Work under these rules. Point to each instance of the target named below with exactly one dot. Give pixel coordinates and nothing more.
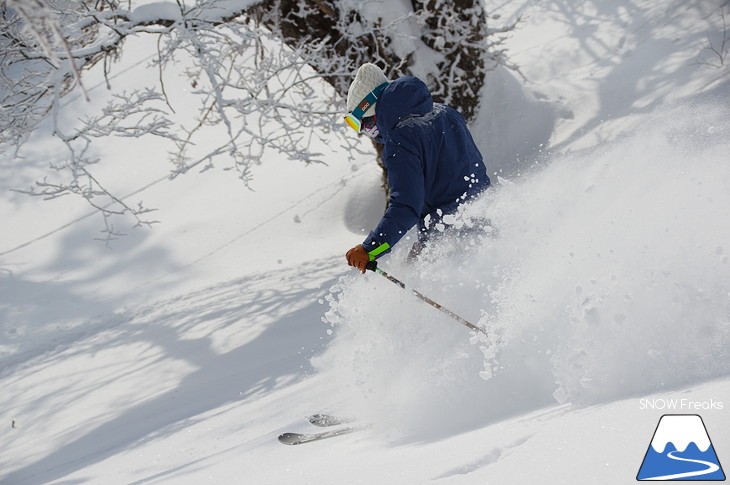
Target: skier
(432, 162)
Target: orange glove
(358, 258)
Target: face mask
(370, 128)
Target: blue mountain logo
(681, 450)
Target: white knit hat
(368, 77)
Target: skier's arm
(405, 176)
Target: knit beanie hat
(368, 77)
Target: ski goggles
(355, 119)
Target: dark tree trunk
(455, 31)
(460, 33)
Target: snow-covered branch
(258, 69)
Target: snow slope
(180, 353)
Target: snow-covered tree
(257, 69)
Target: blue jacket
(432, 161)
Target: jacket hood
(403, 98)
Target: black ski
(322, 421)
(300, 438)
(325, 420)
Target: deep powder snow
(607, 276)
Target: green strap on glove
(378, 251)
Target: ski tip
(289, 438)
(299, 438)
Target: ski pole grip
(372, 265)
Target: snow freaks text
(683, 404)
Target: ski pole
(373, 266)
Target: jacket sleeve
(406, 180)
